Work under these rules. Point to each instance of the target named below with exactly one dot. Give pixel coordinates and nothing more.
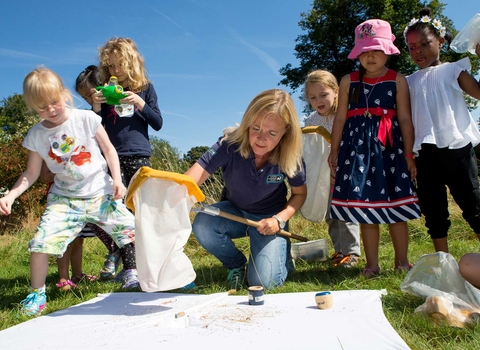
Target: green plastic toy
(112, 92)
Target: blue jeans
(269, 255)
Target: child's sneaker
(34, 303)
(120, 276)
(110, 265)
(131, 279)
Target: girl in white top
(445, 132)
(71, 143)
(321, 90)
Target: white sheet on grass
(216, 321)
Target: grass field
(418, 331)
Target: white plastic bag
(468, 37)
(162, 228)
(436, 277)
(315, 153)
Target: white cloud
(19, 54)
(175, 23)
(262, 55)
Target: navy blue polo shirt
(260, 191)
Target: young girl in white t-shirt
(445, 132)
(76, 148)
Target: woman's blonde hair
(324, 78)
(288, 153)
(43, 86)
(132, 63)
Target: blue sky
(207, 59)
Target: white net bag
(162, 202)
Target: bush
(31, 203)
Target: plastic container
(468, 37)
(310, 251)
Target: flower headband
(426, 19)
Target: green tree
(15, 121)
(329, 36)
(165, 157)
(194, 154)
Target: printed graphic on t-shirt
(63, 150)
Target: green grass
(418, 331)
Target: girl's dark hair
(88, 78)
(427, 26)
(356, 90)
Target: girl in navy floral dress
(371, 150)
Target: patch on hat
(366, 31)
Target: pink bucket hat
(374, 34)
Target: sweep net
(162, 201)
(316, 149)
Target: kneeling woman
(256, 158)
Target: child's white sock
(41, 289)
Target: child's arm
(25, 180)
(46, 176)
(339, 122)
(148, 107)
(404, 116)
(111, 156)
(468, 83)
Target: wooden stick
(256, 224)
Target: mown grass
(418, 331)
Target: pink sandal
(370, 273)
(66, 285)
(84, 277)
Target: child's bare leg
(76, 257)
(399, 234)
(441, 244)
(38, 269)
(63, 264)
(468, 266)
(370, 238)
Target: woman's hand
(268, 226)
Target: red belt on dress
(385, 127)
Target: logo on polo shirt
(275, 178)
(212, 151)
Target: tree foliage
(165, 157)
(15, 121)
(329, 36)
(194, 154)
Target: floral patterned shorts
(65, 217)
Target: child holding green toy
(127, 124)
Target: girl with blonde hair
(321, 91)
(76, 148)
(127, 123)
